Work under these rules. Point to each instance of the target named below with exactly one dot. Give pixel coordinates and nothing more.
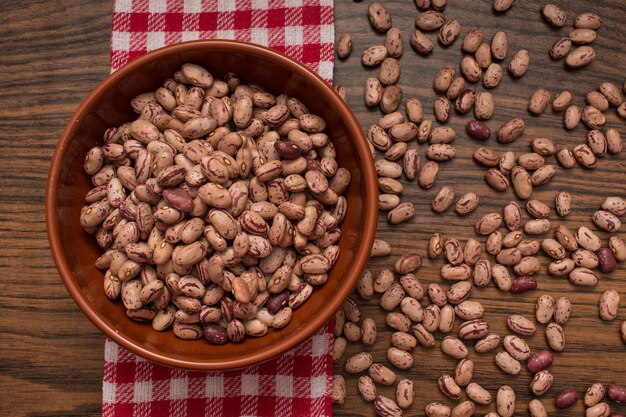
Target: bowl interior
(75, 251)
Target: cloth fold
(297, 383)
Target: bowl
(74, 251)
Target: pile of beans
(218, 208)
(507, 248)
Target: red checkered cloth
(297, 383)
(302, 29)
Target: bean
(555, 337)
(614, 139)
(584, 258)
(344, 45)
(499, 45)
(449, 32)
(379, 17)
(609, 305)
(437, 410)
(615, 205)
(562, 310)
(488, 223)
(473, 329)
(338, 393)
(606, 221)
(587, 20)
(423, 336)
(566, 398)
(516, 347)
(554, 15)
(583, 277)
(502, 5)
(560, 48)
(404, 393)
(380, 248)
(592, 118)
(612, 93)
(367, 388)
(595, 98)
(466, 204)
(521, 181)
(521, 325)
(483, 55)
(339, 347)
(505, 401)
(448, 387)
(432, 317)
(618, 247)
(465, 101)
(540, 361)
(563, 203)
(381, 374)
(580, 57)
(519, 63)
(507, 363)
(402, 213)
(469, 310)
(421, 43)
(428, 175)
(473, 38)
(598, 410)
(544, 309)
(463, 409)
(470, 69)
(594, 395)
(430, 20)
(606, 260)
(412, 286)
(487, 343)
(536, 409)
(358, 362)
(541, 383)
(571, 118)
(386, 407)
(463, 374)
(501, 277)
(496, 179)
(399, 358)
(403, 341)
(478, 394)
(617, 393)
(393, 42)
(539, 101)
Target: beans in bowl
(218, 208)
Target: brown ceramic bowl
(107, 105)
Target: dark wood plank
(594, 350)
(51, 357)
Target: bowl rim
(309, 327)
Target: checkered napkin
(297, 383)
(302, 29)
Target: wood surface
(54, 53)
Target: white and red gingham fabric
(297, 383)
(302, 29)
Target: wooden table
(54, 53)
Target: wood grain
(594, 350)
(51, 357)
